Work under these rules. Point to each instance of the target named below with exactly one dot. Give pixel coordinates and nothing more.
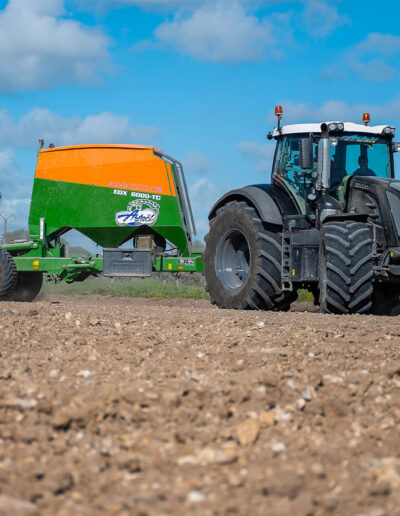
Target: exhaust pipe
(327, 206)
(324, 160)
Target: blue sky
(197, 78)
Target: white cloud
(322, 18)
(374, 58)
(13, 184)
(195, 163)
(368, 56)
(203, 195)
(39, 48)
(262, 153)
(202, 192)
(373, 70)
(101, 128)
(385, 44)
(219, 31)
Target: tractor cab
(355, 150)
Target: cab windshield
(351, 154)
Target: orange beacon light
(366, 118)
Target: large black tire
(345, 268)
(8, 273)
(27, 288)
(243, 261)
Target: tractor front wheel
(243, 261)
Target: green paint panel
(92, 210)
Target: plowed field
(150, 407)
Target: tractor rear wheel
(8, 273)
(27, 288)
(345, 268)
(243, 261)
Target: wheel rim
(233, 259)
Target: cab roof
(349, 127)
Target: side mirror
(396, 147)
(306, 154)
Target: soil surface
(151, 407)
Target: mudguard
(270, 202)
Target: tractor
(329, 222)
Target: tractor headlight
(388, 131)
(335, 126)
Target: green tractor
(329, 222)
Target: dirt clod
(247, 432)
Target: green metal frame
(33, 256)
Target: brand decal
(116, 191)
(139, 212)
(359, 139)
(363, 186)
(135, 186)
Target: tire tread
(347, 268)
(9, 273)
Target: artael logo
(139, 212)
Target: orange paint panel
(124, 167)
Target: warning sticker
(186, 261)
